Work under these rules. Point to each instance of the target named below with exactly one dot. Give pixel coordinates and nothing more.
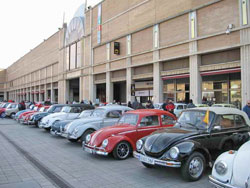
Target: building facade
(144, 49)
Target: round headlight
(88, 138)
(221, 167)
(105, 143)
(139, 145)
(174, 152)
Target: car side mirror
(217, 128)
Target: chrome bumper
(220, 184)
(157, 161)
(55, 133)
(94, 150)
(65, 135)
(31, 122)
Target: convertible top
(224, 111)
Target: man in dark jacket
(191, 104)
(247, 109)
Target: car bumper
(220, 184)
(64, 134)
(55, 133)
(31, 122)
(72, 137)
(94, 150)
(154, 162)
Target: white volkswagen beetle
(232, 169)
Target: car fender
(82, 128)
(186, 148)
(114, 140)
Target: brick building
(148, 49)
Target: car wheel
(193, 167)
(12, 115)
(122, 150)
(84, 135)
(147, 165)
(47, 128)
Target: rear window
(128, 119)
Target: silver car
(101, 117)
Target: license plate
(88, 150)
(146, 160)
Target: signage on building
(99, 23)
(132, 89)
(144, 93)
(117, 48)
(147, 84)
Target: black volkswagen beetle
(198, 137)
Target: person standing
(135, 104)
(247, 109)
(191, 104)
(170, 107)
(129, 104)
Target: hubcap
(123, 150)
(196, 167)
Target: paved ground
(71, 166)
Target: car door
(111, 118)
(147, 125)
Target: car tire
(12, 115)
(83, 137)
(189, 169)
(147, 165)
(47, 128)
(122, 150)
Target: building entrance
(119, 92)
(100, 93)
(74, 90)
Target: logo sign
(117, 48)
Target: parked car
(12, 109)
(56, 128)
(198, 137)
(120, 139)
(68, 112)
(101, 117)
(232, 169)
(158, 106)
(37, 117)
(201, 105)
(179, 107)
(22, 116)
(22, 111)
(224, 105)
(28, 117)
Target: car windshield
(41, 109)
(85, 113)
(195, 119)
(128, 119)
(98, 113)
(5, 105)
(13, 106)
(8, 106)
(66, 109)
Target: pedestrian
(135, 104)
(149, 105)
(247, 109)
(90, 102)
(170, 107)
(129, 104)
(191, 104)
(165, 104)
(67, 102)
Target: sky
(25, 24)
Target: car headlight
(105, 143)
(75, 131)
(139, 145)
(174, 152)
(221, 167)
(88, 138)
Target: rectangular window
(192, 25)
(156, 31)
(128, 44)
(67, 58)
(79, 54)
(149, 121)
(72, 56)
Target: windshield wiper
(192, 125)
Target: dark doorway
(120, 92)
(74, 90)
(101, 92)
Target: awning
(177, 76)
(224, 71)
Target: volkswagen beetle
(101, 117)
(232, 169)
(198, 137)
(121, 138)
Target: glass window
(85, 113)
(149, 121)
(98, 113)
(130, 119)
(167, 120)
(239, 121)
(73, 56)
(114, 114)
(225, 121)
(179, 107)
(76, 109)
(66, 109)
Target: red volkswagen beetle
(120, 140)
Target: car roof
(224, 111)
(114, 107)
(179, 103)
(148, 111)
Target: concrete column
(157, 81)
(109, 88)
(245, 65)
(45, 92)
(195, 79)
(52, 93)
(81, 88)
(92, 88)
(30, 94)
(129, 82)
(40, 95)
(66, 90)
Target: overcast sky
(26, 23)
